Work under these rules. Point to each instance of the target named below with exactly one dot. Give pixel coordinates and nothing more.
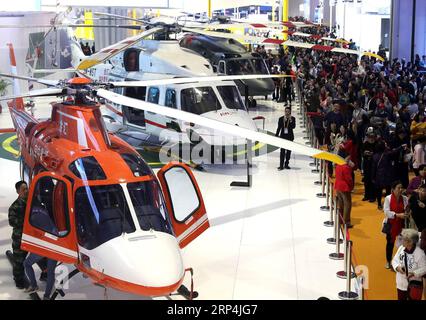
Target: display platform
(265, 242)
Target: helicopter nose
(141, 259)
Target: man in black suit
(286, 124)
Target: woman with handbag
(394, 208)
(409, 263)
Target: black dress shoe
(372, 200)
(287, 167)
(20, 285)
(280, 168)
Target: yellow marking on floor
(7, 145)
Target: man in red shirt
(343, 186)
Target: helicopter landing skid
(188, 295)
(34, 296)
(184, 292)
(59, 290)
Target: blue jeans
(29, 271)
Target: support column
(285, 15)
(408, 27)
(273, 11)
(209, 8)
(413, 31)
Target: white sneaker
(387, 265)
(31, 289)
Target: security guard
(16, 221)
(286, 124)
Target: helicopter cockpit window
(259, 66)
(199, 100)
(149, 206)
(231, 97)
(137, 165)
(87, 168)
(153, 95)
(170, 98)
(132, 115)
(131, 59)
(102, 214)
(239, 66)
(49, 207)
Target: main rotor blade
(46, 82)
(53, 70)
(126, 26)
(37, 93)
(117, 16)
(160, 82)
(238, 37)
(109, 52)
(319, 47)
(289, 24)
(218, 125)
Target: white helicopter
(138, 59)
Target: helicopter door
(221, 67)
(184, 202)
(48, 227)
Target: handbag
(387, 227)
(415, 290)
(415, 287)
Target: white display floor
(265, 242)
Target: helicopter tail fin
(17, 103)
(77, 54)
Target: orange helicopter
(94, 202)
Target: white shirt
(358, 113)
(416, 263)
(419, 156)
(413, 109)
(377, 66)
(386, 207)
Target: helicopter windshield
(259, 66)
(239, 66)
(245, 66)
(231, 97)
(149, 206)
(199, 100)
(102, 214)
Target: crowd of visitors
(372, 113)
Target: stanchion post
(330, 222)
(343, 274)
(327, 179)
(322, 177)
(308, 129)
(348, 294)
(316, 170)
(314, 164)
(318, 182)
(336, 228)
